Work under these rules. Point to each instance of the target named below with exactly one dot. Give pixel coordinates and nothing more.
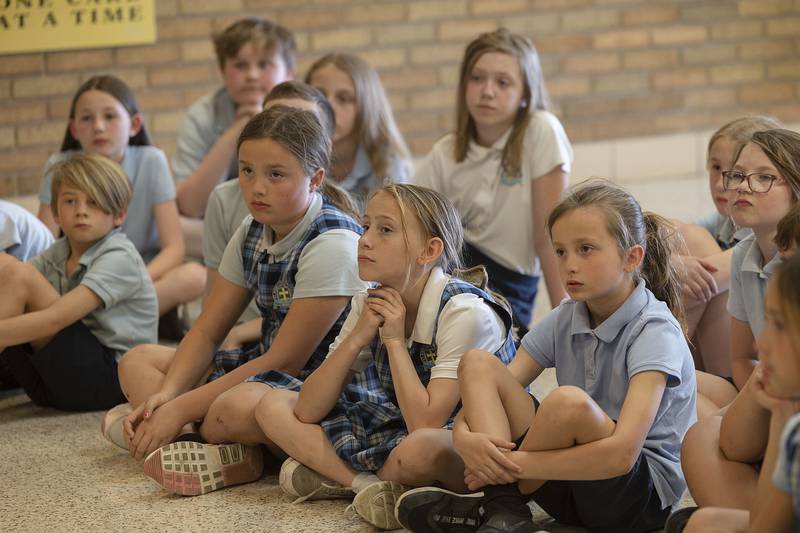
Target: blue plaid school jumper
(364, 429)
(272, 285)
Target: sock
(508, 497)
(363, 479)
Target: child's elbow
(624, 460)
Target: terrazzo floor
(57, 473)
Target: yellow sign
(40, 25)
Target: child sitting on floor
(69, 315)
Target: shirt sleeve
(465, 323)
(548, 146)
(540, 341)
(191, 145)
(45, 196)
(658, 346)
(115, 275)
(328, 266)
(427, 172)
(231, 267)
(736, 306)
(214, 241)
(356, 306)
(155, 167)
(710, 223)
(787, 455)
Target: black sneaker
(511, 520)
(435, 510)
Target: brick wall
(615, 68)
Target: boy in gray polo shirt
(69, 314)
(254, 55)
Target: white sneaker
(375, 503)
(111, 426)
(297, 480)
(194, 468)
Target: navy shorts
(624, 504)
(72, 372)
(518, 289)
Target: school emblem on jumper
(428, 357)
(281, 295)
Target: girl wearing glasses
(721, 454)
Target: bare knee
(134, 362)
(571, 403)
(475, 361)
(275, 410)
(231, 412)
(420, 455)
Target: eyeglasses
(758, 182)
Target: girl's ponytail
(661, 241)
(340, 198)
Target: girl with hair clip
(296, 255)
(368, 148)
(505, 167)
(775, 387)
(602, 450)
(705, 265)
(721, 453)
(377, 412)
(104, 119)
(226, 208)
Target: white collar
(428, 310)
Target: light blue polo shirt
(641, 335)
(22, 234)
(362, 178)
(749, 278)
(115, 272)
(205, 122)
(723, 230)
(787, 468)
(148, 173)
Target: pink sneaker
(194, 468)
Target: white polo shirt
(466, 322)
(496, 209)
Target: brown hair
(629, 226)
(375, 124)
(534, 93)
(782, 147)
(263, 33)
(100, 178)
(301, 133)
(121, 92)
(303, 91)
(741, 129)
(788, 234)
(787, 281)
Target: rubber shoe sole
(194, 468)
(112, 424)
(375, 503)
(303, 483)
(435, 510)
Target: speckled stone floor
(57, 473)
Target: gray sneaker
(297, 480)
(375, 503)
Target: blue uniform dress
(272, 284)
(366, 424)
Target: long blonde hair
(741, 129)
(534, 96)
(377, 131)
(630, 226)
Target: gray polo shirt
(723, 230)
(206, 120)
(641, 335)
(114, 271)
(224, 214)
(362, 178)
(22, 234)
(151, 181)
(749, 278)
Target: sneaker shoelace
(322, 489)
